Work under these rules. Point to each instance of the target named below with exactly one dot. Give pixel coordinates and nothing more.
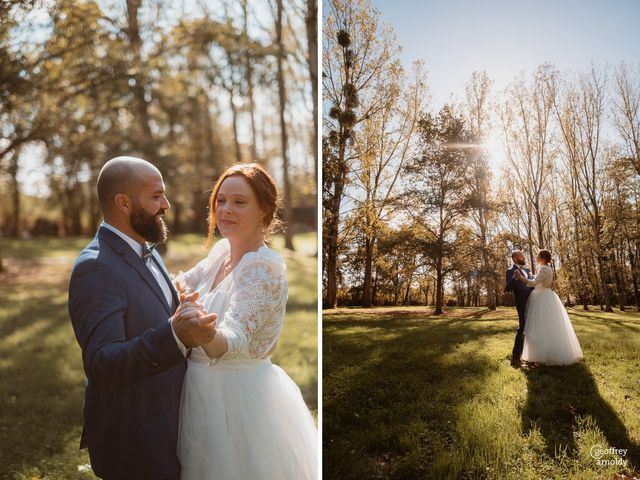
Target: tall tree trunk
(406, 294)
(141, 108)
(287, 217)
(488, 271)
(618, 275)
(396, 289)
(374, 290)
(439, 286)
(368, 263)
(234, 123)
(331, 224)
(579, 259)
(311, 21)
(606, 297)
(532, 258)
(73, 211)
(12, 170)
(539, 225)
(249, 78)
(583, 295)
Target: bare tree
(627, 110)
(526, 117)
(481, 205)
(357, 54)
(311, 22)
(437, 189)
(581, 119)
(145, 140)
(382, 149)
(280, 59)
(248, 65)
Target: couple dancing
(179, 378)
(545, 335)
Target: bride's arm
(542, 274)
(217, 347)
(256, 296)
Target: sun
(494, 147)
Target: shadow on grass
(558, 397)
(392, 389)
(623, 324)
(41, 396)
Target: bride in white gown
(241, 417)
(549, 338)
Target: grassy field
(410, 395)
(41, 377)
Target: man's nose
(165, 202)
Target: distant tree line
(415, 214)
(190, 86)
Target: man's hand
(192, 324)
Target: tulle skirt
(549, 337)
(244, 420)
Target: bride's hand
(191, 322)
(189, 306)
(180, 287)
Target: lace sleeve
(543, 276)
(253, 321)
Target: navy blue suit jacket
(133, 365)
(520, 291)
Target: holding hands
(191, 322)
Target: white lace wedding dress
(549, 337)
(241, 417)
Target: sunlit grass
(411, 395)
(41, 376)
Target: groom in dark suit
(520, 294)
(132, 329)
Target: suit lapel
(174, 293)
(136, 262)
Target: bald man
(134, 333)
(521, 294)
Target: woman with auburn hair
(241, 417)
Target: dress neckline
(230, 274)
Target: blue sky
(456, 37)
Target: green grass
(411, 395)
(41, 377)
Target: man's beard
(522, 262)
(150, 227)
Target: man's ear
(123, 203)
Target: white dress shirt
(155, 270)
